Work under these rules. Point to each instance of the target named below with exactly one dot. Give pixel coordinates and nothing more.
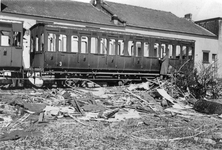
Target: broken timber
(138, 97)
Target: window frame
(77, 42)
(62, 46)
(103, 48)
(94, 47)
(146, 52)
(120, 47)
(9, 38)
(112, 42)
(56, 41)
(208, 55)
(17, 39)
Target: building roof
(57, 9)
(154, 19)
(210, 19)
(86, 13)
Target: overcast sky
(200, 9)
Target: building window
(214, 58)
(206, 56)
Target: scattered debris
(92, 102)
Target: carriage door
(138, 54)
(62, 55)
(51, 51)
(84, 51)
(5, 48)
(17, 39)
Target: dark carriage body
(11, 50)
(96, 53)
(11, 33)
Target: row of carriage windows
(110, 46)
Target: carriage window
(16, 39)
(103, 46)
(120, 50)
(42, 42)
(178, 51)
(94, 45)
(184, 52)
(138, 49)
(84, 44)
(131, 48)
(62, 43)
(163, 50)
(190, 53)
(112, 47)
(5, 38)
(51, 42)
(31, 44)
(156, 50)
(170, 51)
(36, 43)
(146, 49)
(74, 43)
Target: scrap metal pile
(22, 108)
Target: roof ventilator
(115, 19)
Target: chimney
(188, 17)
(97, 3)
(114, 19)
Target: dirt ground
(149, 132)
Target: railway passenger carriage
(96, 54)
(11, 42)
(59, 52)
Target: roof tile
(154, 19)
(86, 12)
(63, 9)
